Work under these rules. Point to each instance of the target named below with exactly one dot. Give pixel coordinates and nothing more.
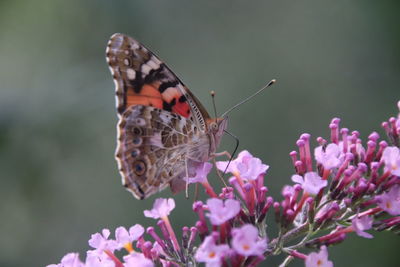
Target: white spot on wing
(154, 63)
(146, 69)
(131, 74)
(135, 46)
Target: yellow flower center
(128, 247)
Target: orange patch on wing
(182, 108)
(148, 96)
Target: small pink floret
(201, 173)
(69, 260)
(312, 183)
(124, 237)
(390, 201)
(136, 259)
(210, 253)
(330, 157)
(161, 208)
(247, 166)
(391, 158)
(360, 225)
(96, 258)
(101, 242)
(221, 211)
(319, 259)
(246, 241)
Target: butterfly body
(164, 132)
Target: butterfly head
(216, 128)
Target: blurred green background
(59, 179)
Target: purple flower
(390, 201)
(221, 211)
(246, 241)
(245, 165)
(210, 253)
(161, 208)
(100, 241)
(136, 259)
(391, 158)
(69, 260)
(360, 224)
(125, 238)
(312, 182)
(330, 157)
(319, 259)
(201, 173)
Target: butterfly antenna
(234, 151)
(250, 97)
(215, 107)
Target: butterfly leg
(223, 153)
(219, 174)
(220, 154)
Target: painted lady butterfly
(164, 132)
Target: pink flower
(245, 165)
(97, 258)
(101, 242)
(201, 173)
(123, 237)
(391, 158)
(319, 259)
(329, 157)
(246, 241)
(210, 253)
(221, 211)
(69, 260)
(390, 201)
(312, 182)
(136, 259)
(360, 224)
(161, 208)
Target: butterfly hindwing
(153, 148)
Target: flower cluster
(345, 186)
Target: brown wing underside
(154, 149)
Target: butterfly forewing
(141, 78)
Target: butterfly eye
(139, 167)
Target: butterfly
(164, 133)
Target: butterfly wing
(154, 149)
(161, 124)
(141, 78)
